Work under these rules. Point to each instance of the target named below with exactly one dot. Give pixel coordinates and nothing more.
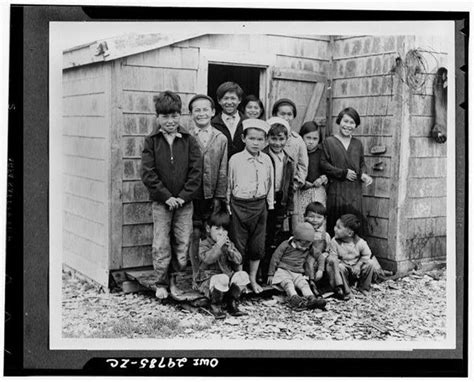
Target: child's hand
(180, 201)
(223, 238)
(324, 179)
(367, 179)
(269, 280)
(356, 271)
(307, 185)
(318, 276)
(172, 203)
(351, 175)
(318, 183)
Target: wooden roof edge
(110, 49)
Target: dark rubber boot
(232, 301)
(216, 304)
(313, 302)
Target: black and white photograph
(258, 186)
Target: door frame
(263, 61)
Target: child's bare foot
(255, 287)
(161, 293)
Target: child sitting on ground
(349, 258)
(219, 278)
(288, 261)
(315, 214)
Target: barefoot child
(287, 268)
(349, 257)
(249, 194)
(219, 277)
(171, 171)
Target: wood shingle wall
(85, 152)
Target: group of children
(227, 192)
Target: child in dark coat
(171, 171)
(219, 277)
(287, 268)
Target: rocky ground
(411, 308)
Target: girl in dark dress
(342, 160)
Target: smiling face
(202, 112)
(277, 142)
(341, 231)
(229, 103)
(169, 122)
(316, 220)
(252, 109)
(254, 140)
(346, 126)
(311, 140)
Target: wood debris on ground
(408, 308)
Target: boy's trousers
(171, 235)
(247, 227)
(340, 274)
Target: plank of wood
(314, 101)
(298, 75)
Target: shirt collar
(207, 130)
(177, 134)
(226, 116)
(280, 155)
(249, 156)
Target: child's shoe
(313, 302)
(340, 295)
(297, 303)
(233, 308)
(216, 304)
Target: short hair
(309, 127)
(219, 218)
(167, 102)
(277, 129)
(253, 128)
(229, 87)
(198, 97)
(253, 98)
(351, 221)
(316, 207)
(351, 112)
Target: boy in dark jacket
(229, 122)
(283, 166)
(171, 171)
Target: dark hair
(351, 112)
(254, 128)
(309, 127)
(282, 102)
(219, 218)
(252, 98)
(167, 102)
(200, 96)
(277, 129)
(229, 87)
(351, 221)
(315, 207)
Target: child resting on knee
(349, 258)
(288, 260)
(218, 276)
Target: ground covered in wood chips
(411, 308)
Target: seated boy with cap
(288, 260)
(250, 193)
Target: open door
(308, 90)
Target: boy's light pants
(340, 274)
(171, 234)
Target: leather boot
(216, 304)
(232, 301)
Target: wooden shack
(108, 89)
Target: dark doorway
(247, 77)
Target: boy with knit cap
(250, 193)
(287, 269)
